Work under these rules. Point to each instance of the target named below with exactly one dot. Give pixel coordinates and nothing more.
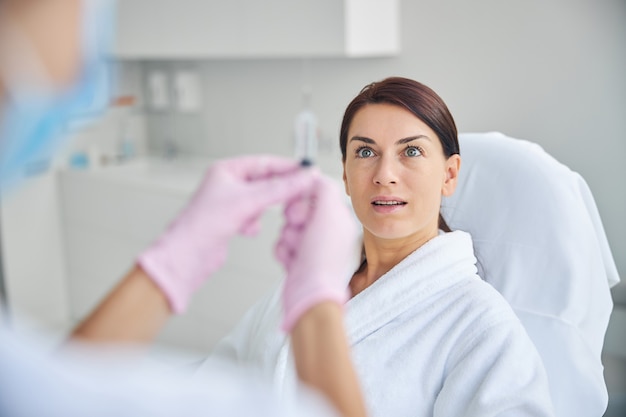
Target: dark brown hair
(417, 98)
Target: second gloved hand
(320, 248)
(229, 201)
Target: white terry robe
(429, 338)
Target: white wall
(549, 71)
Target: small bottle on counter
(126, 145)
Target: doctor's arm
(135, 311)
(320, 249)
(193, 247)
(322, 356)
(313, 297)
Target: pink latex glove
(320, 248)
(230, 200)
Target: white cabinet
(32, 254)
(180, 29)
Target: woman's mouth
(387, 205)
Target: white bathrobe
(429, 338)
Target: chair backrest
(540, 242)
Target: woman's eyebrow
(363, 139)
(411, 139)
(399, 142)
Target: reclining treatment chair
(539, 241)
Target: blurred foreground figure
(50, 68)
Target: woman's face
(395, 172)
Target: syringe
(305, 130)
(306, 137)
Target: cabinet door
(32, 251)
(181, 29)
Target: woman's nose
(385, 172)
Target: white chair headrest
(512, 195)
(539, 241)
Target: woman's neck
(382, 255)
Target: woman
(428, 336)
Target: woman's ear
(345, 179)
(453, 165)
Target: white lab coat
(82, 382)
(429, 338)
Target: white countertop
(179, 174)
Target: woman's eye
(412, 151)
(364, 152)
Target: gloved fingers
(283, 253)
(327, 191)
(298, 210)
(325, 204)
(252, 226)
(254, 167)
(279, 189)
(286, 247)
(290, 234)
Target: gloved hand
(230, 200)
(320, 247)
